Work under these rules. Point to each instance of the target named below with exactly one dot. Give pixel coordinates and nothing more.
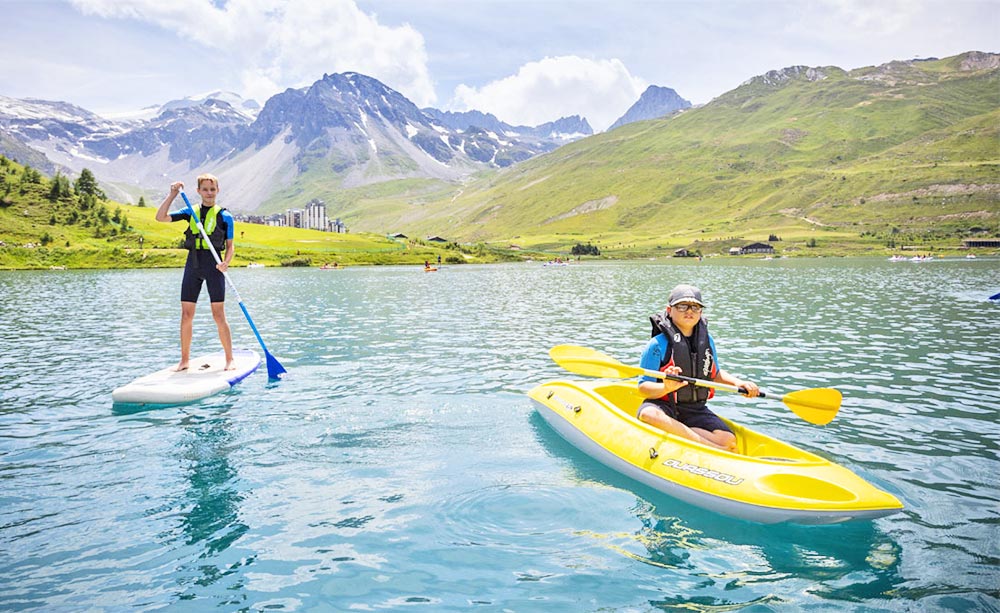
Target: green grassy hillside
(44, 223)
(822, 161)
(860, 161)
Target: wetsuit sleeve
(652, 357)
(230, 225)
(179, 216)
(711, 345)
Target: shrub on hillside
(588, 249)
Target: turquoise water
(402, 467)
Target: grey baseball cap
(685, 293)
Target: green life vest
(216, 233)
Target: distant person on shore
(681, 345)
(200, 266)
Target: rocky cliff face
(196, 134)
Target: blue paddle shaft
(274, 369)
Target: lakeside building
(312, 217)
(752, 248)
(981, 242)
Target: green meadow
(45, 223)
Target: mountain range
(903, 151)
(349, 128)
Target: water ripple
(401, 465)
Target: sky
(525, 61)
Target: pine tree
(60, 188)
(142, 201)
(54, 189)
(86, 185)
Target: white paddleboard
(204, 377)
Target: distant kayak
(203, 378)
(767, 481)
(430, 269)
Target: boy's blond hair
(208, 177)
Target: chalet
(756, 248)
(398, 235)
(981, 242)
(683, 253)
(436, 239)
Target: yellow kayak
(766, 481)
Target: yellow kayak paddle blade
(817, 405)
(591, 363)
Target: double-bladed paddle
(274, 368)
(818, 406)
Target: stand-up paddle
(995, 296)
(274, 368)
(818, 406)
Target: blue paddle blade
(995, 296)
(274, 368)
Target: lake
(401, 466)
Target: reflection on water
(210, 518)
(737, 556)
(402, 465)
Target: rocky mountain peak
(655, 102)
(777, 78)
(977, 60)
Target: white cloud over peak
(288, 43)
(554, 87)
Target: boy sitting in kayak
(681, 345)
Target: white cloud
(600, 90)
(288, 43)
(866, 18)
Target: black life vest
(215, 228)
(698, 363)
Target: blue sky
(525, 61)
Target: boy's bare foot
(230, 365)
(181, 367)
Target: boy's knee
(726, 439)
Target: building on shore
(312, 217)
(752, 248)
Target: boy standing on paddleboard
(681, 345)
(201, 266)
